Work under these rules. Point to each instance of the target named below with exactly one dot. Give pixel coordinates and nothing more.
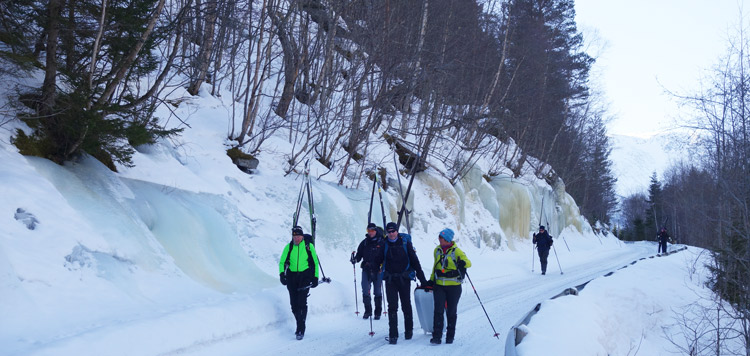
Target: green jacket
(298, 258)
(444, 270)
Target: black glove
(461, 264)
(353, 260)
(429, 284)
(314, 283)
(282, 278)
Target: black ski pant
(398, 288)
(662, 247)
(446, 299)
(296, 283)
(374, 279)
(543, 253)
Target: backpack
(406, 240)
(437, 267)
(310, 261)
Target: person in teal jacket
(298, 271)
(447, 275)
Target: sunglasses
(391, 231)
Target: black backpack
(406, 239)
(310, 261)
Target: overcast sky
(646, 46)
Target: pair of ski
(402, 212)
(306, 188)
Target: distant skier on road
(662, 238)
(298, 271)
(543, 243)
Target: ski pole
(563, 237)
(566, 243)
(480, 303)
(382, 293)
(356, 303)
(558, 260)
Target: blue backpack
(406, 240)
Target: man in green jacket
(447, 274)
(298, 271)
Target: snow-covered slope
(635, 159)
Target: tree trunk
(291, 64)
(125, 64)
(49, 86)
(207, 46)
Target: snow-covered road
(506, 298)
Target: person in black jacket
(663, 238)
(368, 252)
(543, 243)
(399, 262)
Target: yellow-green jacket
(298, 257)
(444, 270)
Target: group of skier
(388, 259)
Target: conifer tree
(654, 214)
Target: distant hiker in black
(369, 251)
(298, 271)
(662, 238)
(399, 265)
(543, 243)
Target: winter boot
(408, 324)
(436, 340)
(301, 321)
(450, 329)
(392, 327)
(437, 327)
(378, 307)
(368, 306)
(299, 335)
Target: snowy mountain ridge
(635, 159)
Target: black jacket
(369, 251)
(396, 259)
(663, 236)
(543, 240)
